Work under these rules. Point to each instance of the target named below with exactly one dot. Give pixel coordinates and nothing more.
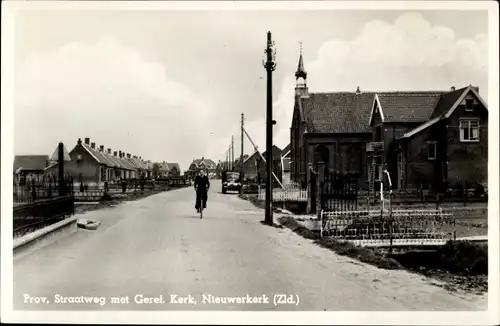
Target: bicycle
(202, 204)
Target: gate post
(309, 190)
(319, 188)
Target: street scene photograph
(199, 159)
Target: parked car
(231, 182)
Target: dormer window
(469, 105)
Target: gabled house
(92, 164)
(251, 166)
(174, 169)
(30, 164)
(441, 142)
(196, 165)
(346, 132)
(262, 166)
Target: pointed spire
(301, 72)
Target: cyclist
(201, 186)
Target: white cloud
(112, 94)
(410, 54)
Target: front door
(400, 171)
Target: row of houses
(93, 164)
(422, 138)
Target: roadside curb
(44, 237)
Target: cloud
(409, 54)
(112, 94)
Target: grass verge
(459, 265)
(366, 255)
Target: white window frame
(472, 108)
(429, 157)
(469, 121)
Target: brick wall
(467, 161)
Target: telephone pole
(232, 152)
(241, 155)
(270, 66)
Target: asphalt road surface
(156, 254)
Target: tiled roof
(446, 102)
(339, 112)
(30, 162)
(408, 106)
(350, 112)
(209, 163)
(115, 160)
(173, 165)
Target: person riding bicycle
(201, 185)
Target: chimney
(87, 141)
(101, 148)
(128, 155)
(79, 142)
(452, 88)
(115, 153)
(92, 145)
(358, 91)
(109, 150)
(119, 154)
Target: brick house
(337, 128)
(250, 167)
(170, 169)
(95, 165)
(262, 166)
(196, 165)
(439, 140)
(30, 164)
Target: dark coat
(202, 183)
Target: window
(469, 105)
(469, 130)
(431, 150)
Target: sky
(172, 85)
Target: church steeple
(301, 77)
(301, 72)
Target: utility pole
(241, 156)
(270, 66)
(232, 152)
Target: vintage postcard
(234, 162)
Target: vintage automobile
(231, 182)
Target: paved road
(158, 246)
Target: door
(400, 171)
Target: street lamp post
(270, 66)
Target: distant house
(251, 167)
(262, 166)
(174, 170)
(196, 165)
(169, 169)
(30, 164)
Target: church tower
(301, 77)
